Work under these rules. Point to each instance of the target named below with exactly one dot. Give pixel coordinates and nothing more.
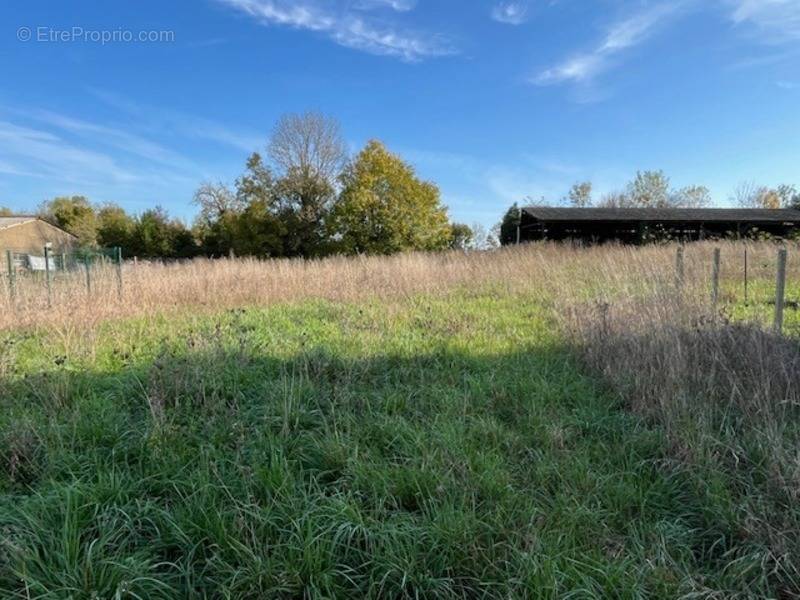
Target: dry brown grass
(555, 271)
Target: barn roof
(706, 215)
(7, 222)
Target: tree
(616, 200)
(309, 143)
(649, 189)
(789, 196)
(6, 212)
(461, 236)
(692, 196)
(384, 208)
(748, 194)
(216, 200)
(74, 214)
(509, 225)
(580, 194)
(258, 230)
(309, 152)
(155, 235)
(114, 227)
(483, 239)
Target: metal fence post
(780, 290)
(12, 275)
(47, 277)
(715, 278)
(118, 260)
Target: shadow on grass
(226, 472)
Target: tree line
(653, 189)
(304, 198)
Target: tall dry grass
(558, 272)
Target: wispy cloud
(29, 150)
(348, 28)
(398, 5)
(776, 20)
(510, 13)
(621, 36)
(159, 119)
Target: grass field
(460, 432)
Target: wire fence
(44, 279)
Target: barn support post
(715, 278)
(780, 290)
(679, 268)
(48, 277)
(12, 275)
(88, 275)
(118, 261)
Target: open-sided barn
(635, 225)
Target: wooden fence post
(118, 260)
(780, 290)
(88, 276)
(745, 276)
(47, 277)
(715, 278)
(679, 268)
(12, 275)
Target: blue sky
(493, 100)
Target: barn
(28, 235)
(637, 225)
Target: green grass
(433, 448)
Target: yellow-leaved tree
(384, 208)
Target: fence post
(715, 278)
(745, 276)
(88, 275)
(12, 275)
(679, 270)
(519, 235)
(118, 260)
(780, 290)
(47, 277)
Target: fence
(33, 276)
(747, 286)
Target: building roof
(6, 222)
(707, 215)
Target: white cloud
(346, 28)
(511, 13)
(621, 36)
(777, 20)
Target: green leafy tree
(155, 235)
(384, 208)
(509, 225)
(258, 229)
(5, 211)
(114, 227)
(74, 214)
(461, 236)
